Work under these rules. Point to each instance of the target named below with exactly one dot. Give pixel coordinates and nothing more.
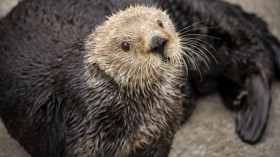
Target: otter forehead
(139, 19)
(138, 13)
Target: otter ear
(252, 119)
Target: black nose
(158, 44)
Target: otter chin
(70, 90)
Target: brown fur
(137, 26)
(138, 70)
(95, 99)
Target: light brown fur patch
(136, 25)
(139, 70)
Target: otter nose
(158, 44)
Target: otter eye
(160, 23)
(125, 46)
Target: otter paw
(233, 94)
(240, 98)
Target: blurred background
(210, 132)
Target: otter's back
(32, 36)
(35, 32)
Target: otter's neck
(153, 89)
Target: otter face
(136, 45)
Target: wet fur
(58, 99)
(47, 123)
(246, 52)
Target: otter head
(136, 46)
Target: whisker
(193, 25)
(197, 41)
(189, 39)
(186, 31)
(182, 61)
(201, 57)
(193, 62)
(186, 67)
(198, 47)
(193, 44)
(186, 35)
(192, 59)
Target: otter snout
(158, 44)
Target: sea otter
(70, 87)
(60, 97)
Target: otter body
(241, 56)
(70, 88)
